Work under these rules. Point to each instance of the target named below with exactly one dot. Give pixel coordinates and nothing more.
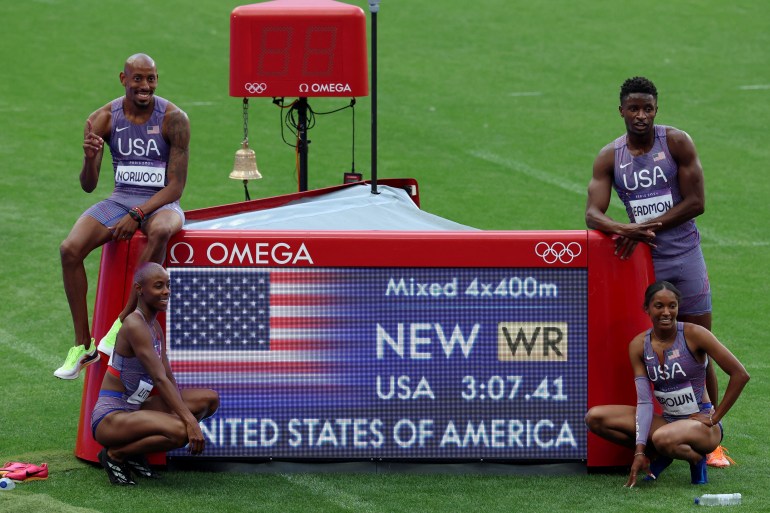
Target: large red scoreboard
(298, 48)
(392, 345)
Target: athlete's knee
(204, 404)
(176, 433)
(160, 233)
(212, 402)
(664, 439)
(70, 252)
(178, 437)
(594, 418)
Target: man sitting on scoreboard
(149, 140)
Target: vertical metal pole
(374, 7)
(246, 141)
(301, 107)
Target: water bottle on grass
(718, 499)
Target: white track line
(537, 174)
(334, 494)
(9, 342)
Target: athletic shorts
(109, 401)
(688, 274)
(109, 211)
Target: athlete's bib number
(141, 394)
(147, 176)
(679, 402)
(644, 209)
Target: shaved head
(147, 270)
(138, 60)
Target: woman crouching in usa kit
(140, 408)
(669, 360)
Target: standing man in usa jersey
(149, 139)
(656, 172)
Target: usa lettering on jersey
(644, 178)
(138, 147)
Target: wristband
(639, 454)
(137, 215)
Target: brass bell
(245, 164)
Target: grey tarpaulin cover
(352, 208)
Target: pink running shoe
(13, 466)
(30, 473)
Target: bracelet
(639, 454)
(136, 214)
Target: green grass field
(496, 108)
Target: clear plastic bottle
(6, 484)
(718, 499)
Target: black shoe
(139, 466)
(118, 472)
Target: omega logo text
(257, 253)
(324, 88)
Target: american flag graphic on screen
(231, 310)
(252, 327)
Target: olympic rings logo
(256, 87)
(558, 251)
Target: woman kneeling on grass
(140, 408)
(672, 358)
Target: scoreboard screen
(353, 362)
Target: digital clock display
(352, 362)
(298, 48)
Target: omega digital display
(385, 362)
(302, 48)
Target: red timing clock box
(298, 48)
